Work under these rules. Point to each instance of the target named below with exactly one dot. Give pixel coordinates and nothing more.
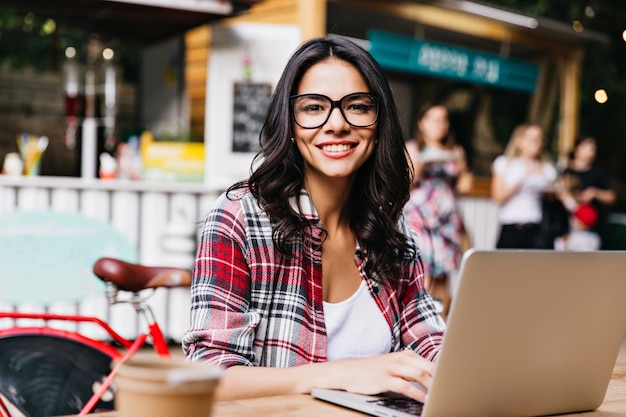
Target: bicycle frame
(141, 307)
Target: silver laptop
(530, 333)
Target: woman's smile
(337, 150)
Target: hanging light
(578, 26)
(108, 54)
(601, 96)
(70, 52)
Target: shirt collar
(306, 208)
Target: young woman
(519, 177)
(304, 276)
(433, 208)
(592, 185)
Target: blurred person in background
(581, 236)
(519, 177)
(587, 183)
(432, 210)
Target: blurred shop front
(74, 137)
(208, 68)
(493, 68)
(75, 217)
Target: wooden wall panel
(197, 44)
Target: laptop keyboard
(406, 405)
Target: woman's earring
(292, 140)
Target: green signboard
(407, 54)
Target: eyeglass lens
(313, 110)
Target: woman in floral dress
(433, 209)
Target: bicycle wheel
(50, 375)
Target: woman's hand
(395, 372)
(588, 194)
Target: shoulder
(500, 163)
(232, 199)
(234, 205)
(238, 216)
(598, 172)
(412, 145)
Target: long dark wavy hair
(382, 184)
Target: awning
(142, 21)
(463, 23)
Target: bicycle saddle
(135, 277)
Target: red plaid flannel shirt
(250, 305)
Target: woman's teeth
(336, 148)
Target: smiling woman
(305, 275)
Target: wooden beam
(570, 103)
(197, 46)
(270, 11)
(312, 18)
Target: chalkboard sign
(251, 101)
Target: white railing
(163, 221)
(480, 216)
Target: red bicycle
(46, 371)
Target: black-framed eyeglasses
(311, 111)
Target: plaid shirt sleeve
(222, 326)
(251, 306)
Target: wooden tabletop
(306, 406)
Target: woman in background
(438, 162)
(519, 177)
(589, 183)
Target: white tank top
(355, 327)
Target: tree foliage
(31, 41)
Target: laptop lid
(530, 333)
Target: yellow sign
(171, 161)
